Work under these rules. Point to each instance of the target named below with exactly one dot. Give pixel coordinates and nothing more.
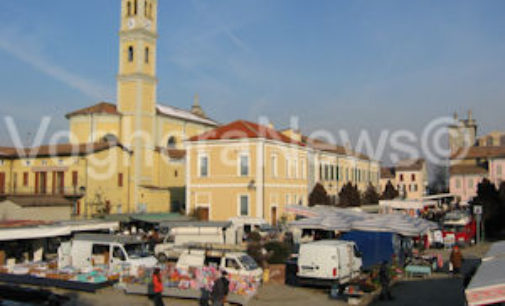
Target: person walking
(157, 288)
(385, 280)
(220, 290)
(456, 260)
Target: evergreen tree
(389, 192)
(349, 195)
(371, 196)
(319, 196)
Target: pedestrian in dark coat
(385, 280)
(220, 290)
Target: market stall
(49, 275)
(189, 283)
(488, 284)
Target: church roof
(100, 108)
(242, 129)
(170, 111)
(183, 114)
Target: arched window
(171, 142)
(110, 138)
(129, 8)
(135, 7)
(130, 53)
(147, 55)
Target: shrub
(279, 251)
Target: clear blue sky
(335, 64)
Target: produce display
(193, 278)
(50, 270)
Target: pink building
(497, 170)
(465, 179)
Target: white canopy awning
(488, 284)
(331, 218)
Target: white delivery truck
(325, 262)
(87, 250)
(180, 234)
(238, 263)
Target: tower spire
(196, 108)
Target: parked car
(324, 262)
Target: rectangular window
(415, 187)
(288, 174)
(338, 173)
(295, 168)
(498, 170)
(326, 174)
(401, 177)
(287, 199)
(458, 183)
(204, 166)
(274, 165)
(120, 179)
(244, 205)
(25, 179)
(320, 172)
(303, 168)
(413, 177)
(75, 179)
(244, 165)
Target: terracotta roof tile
(410, 165)
(100, 108)
(467, 169)
(327, 147)
(387, 172)
(479, 152)
(242, 129)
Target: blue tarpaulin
(375, 246)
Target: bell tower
(136, 83)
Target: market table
(186, 294)
(417, 270)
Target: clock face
(131, 23)
(148, 24)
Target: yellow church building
(122, 158)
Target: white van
(328, 261)
(184, 233)
(232, 262)
(87, 250)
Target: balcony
(73, 192)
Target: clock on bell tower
(136, 83)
